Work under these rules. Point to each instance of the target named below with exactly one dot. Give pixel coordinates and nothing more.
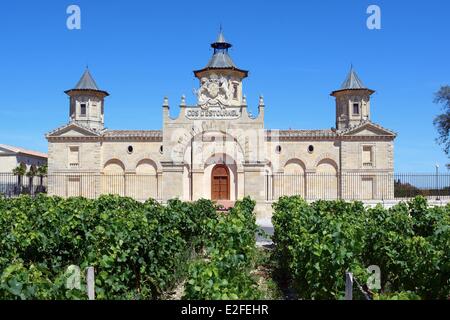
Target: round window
(130, 149)
(161, 149)
(278, 149)
(311, 149)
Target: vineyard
(316, 244)
(138, 250)
(148, 250)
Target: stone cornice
(52, 134)
(335, 138)
(133, 138)
(366, 138)
(170, 166)
(77, 139)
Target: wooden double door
(220, 183)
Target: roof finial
(261, 100)
(220, 37)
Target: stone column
(172, 182)
(311, 184)
(130, 185)
(159, 179)
(199, 187)
(254, 181)
(240, 184)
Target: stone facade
(217, 150)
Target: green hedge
(139, 250)
(316, 244)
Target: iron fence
(347, 186)
(90, 185)
(11, 185)
(363, 186)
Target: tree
(19, 171)
(442, 121)
(41, 173)
(31, 174)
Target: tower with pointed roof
(87, 103)
(220, 80)
(352, 102)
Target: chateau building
(217, 150)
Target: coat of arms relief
(214, 91)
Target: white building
(11, 157)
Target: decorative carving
(214, 91)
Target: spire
(221, 44)
(221, 59)
(220, 37)
(87, 82)
(352, 81)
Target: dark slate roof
(87, 82)
(221, 60)
(352, 81)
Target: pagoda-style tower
(87, 103)
(352, 102)
(220, 80)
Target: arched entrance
(220, 183)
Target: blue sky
(297, 53)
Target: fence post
(90, 283)
(437, 182)
(348, 286)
